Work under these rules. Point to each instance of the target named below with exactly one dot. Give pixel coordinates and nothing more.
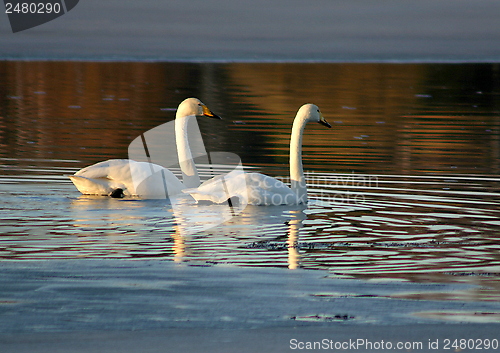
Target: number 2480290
(33, 8)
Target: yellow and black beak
(323, 121)
(208, 113)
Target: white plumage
(143, 179)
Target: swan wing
(264, 190)
(112, 169)
(219, 189)
(160, 184)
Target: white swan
(260, 189)
(118, 177)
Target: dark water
(404, 186)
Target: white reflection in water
(230, 228)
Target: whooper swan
(126, 177)
(260, 189)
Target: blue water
(403, 187)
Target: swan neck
(297, 179)
(189, 172)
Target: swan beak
(208, 113)
(323, 121)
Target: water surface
(404, 186)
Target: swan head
(311, 112)
(193, 106)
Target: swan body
(133, 178)
(145, 179)
(252, 188)
(260, 189)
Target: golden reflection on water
(387, 118)
(293, 238)
(179, 247)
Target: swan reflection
(155, 228)
(254, 223)
(294, 226)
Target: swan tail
(88, 186)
